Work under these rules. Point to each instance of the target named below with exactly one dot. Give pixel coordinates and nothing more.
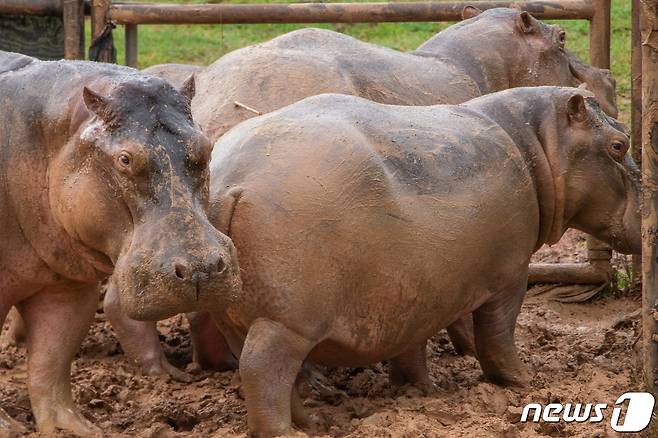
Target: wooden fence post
(131, 45)
(599, 34)
(649, 39)
(102, 45)
(636, 111)
(73, 14)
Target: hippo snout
(199, 273)
(187, 271)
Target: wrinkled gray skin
(495, 50)
(392, 220)
(100, 166)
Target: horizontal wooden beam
(32, 7)
(152, 13)
(569, 273)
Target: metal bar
(145, 13)
(649, 38)
(74, 29)
(599, 34)
(131, 45)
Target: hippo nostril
(181, 271)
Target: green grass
(203, 44)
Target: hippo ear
(576, 109)
(525, 22)
(97, 104)
(188, 88)
(470, 11)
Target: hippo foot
(68, 419)
(161, 367)
(229, 363)
(10, 427)
(313, 381)
(517, 379)
(418, 389)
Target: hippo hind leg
(271, 359)
(461, 336)
(8, 426)
(57, 321)
(494, 324)
(410, 368)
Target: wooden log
(599, 34)
(649, 39)
(31, 7)
(73, 14)
(569, 273)
(132, 13)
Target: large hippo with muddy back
(363, 228)
(493, 50)
(102, 172)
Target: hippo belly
(351, 238)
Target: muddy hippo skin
(175, 74)
(100, 166)
(495, 50)
(365, 228)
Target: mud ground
(576, 353)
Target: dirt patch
(576, 352)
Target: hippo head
(132, 185)
(504, 48)
(601, 181)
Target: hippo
(489, 51)
(100, 168)
(364, 228)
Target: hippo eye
(562, 39)
(124, 159)
(618, 149)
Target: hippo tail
(227, 210)
(10, 61)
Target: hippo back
(308, 62)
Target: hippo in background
(394, 221)
(100, 166)
(489, 51)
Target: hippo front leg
(57, 321)
(139, 340)
(494, 324)
(211, 350)
(271, 359)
